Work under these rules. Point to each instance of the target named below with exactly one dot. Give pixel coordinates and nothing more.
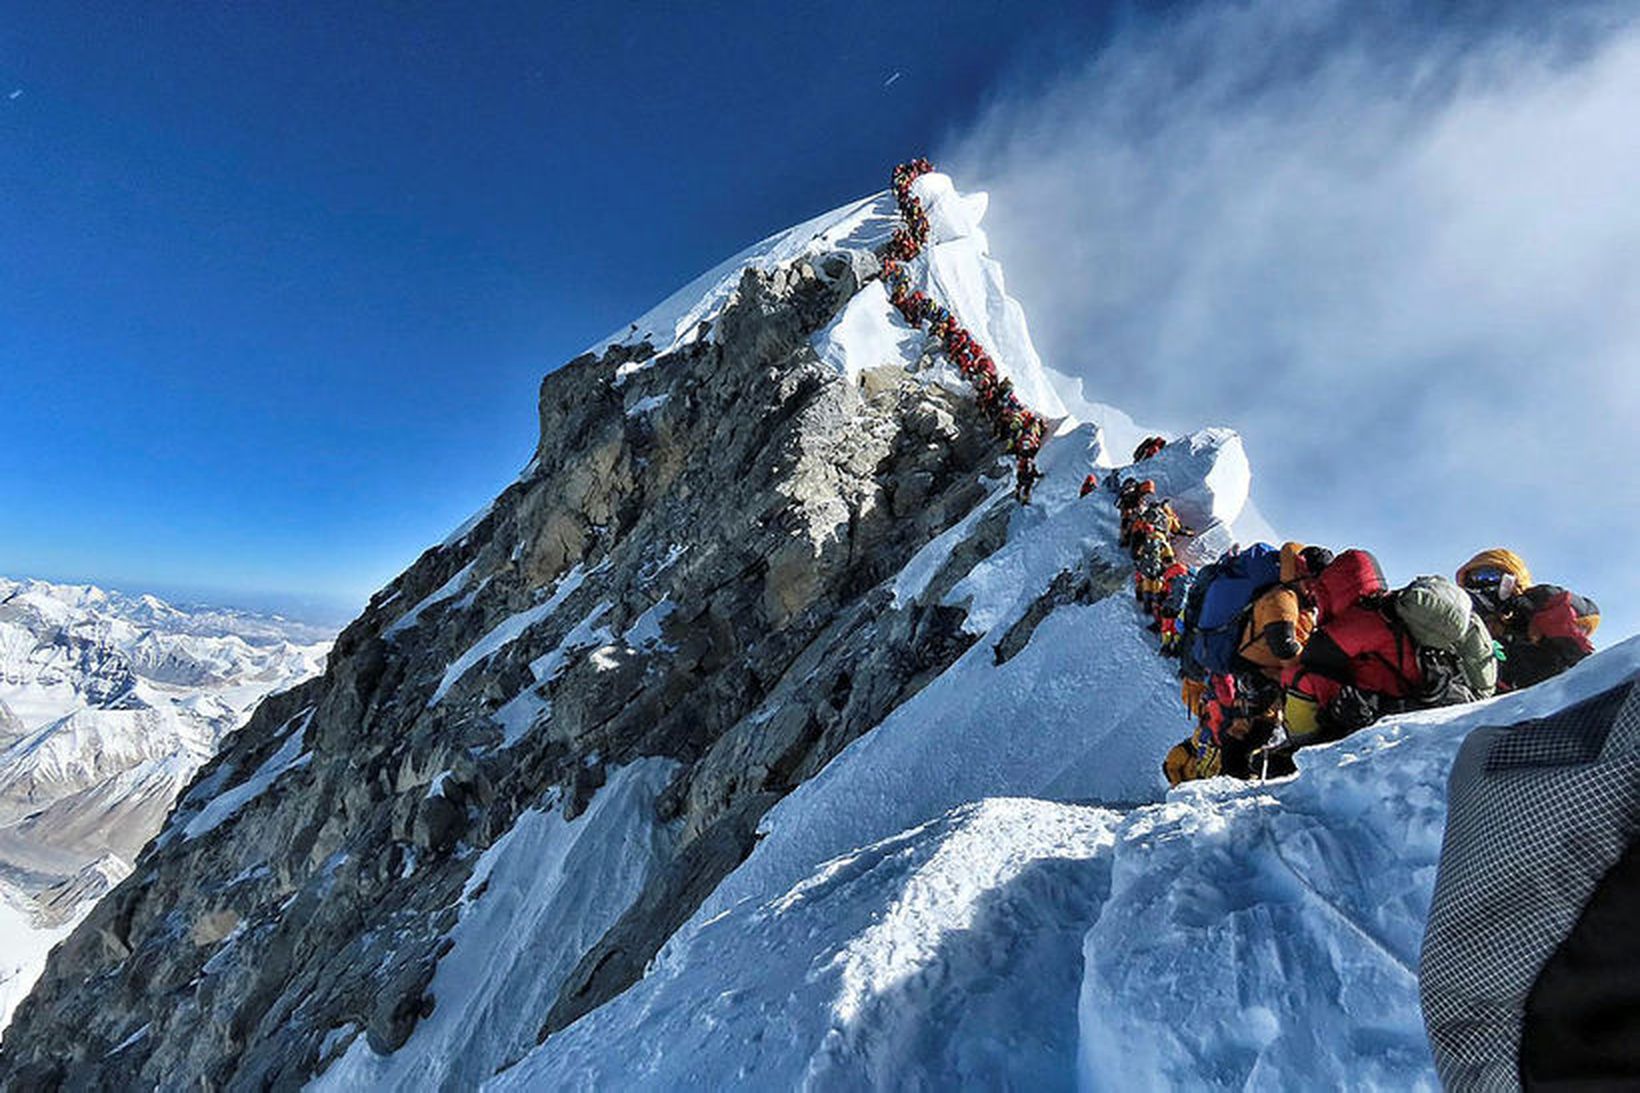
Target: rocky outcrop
(693, 567)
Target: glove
(1352, 709)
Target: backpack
(1189, 615)
(1447, 680)
(1153, 557)
(1226, 596)
(1440, 616)
(1178, 594)
(1546, 631)
(1557, 613)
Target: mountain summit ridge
(691, 571)
(749, 738)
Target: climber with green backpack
(1455, 649)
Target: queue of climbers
(1282, 647)
(1022, 429)
(1279, 647)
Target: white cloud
(1402, 259)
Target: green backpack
(1439, 615)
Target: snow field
(1233, 936)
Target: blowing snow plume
(1322, 226)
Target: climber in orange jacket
(1281, 618)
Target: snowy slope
(1232, 937)
(522, 928)
(994, 887)
(676, 321)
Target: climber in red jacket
(1357, 664)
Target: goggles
(1485, 576)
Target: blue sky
(280, 282)
(280, 285)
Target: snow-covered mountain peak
(858, 227)
(756, 736)
(957, 269)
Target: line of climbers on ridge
(1023, 429)
(1282, 647)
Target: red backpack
(1557, 613)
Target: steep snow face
(1230, 937)
(956, 269)
(941, 958)
(527, 914)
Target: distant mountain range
(108, 705)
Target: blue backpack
(1237, 579)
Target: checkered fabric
(1537, 814)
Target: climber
(1175, 588)
(1541, 630)
(1152, 558)
(1357, 665)
(1282, 616)
(1089, 484)
(1148, 447)
(1492, 577)
(1133, 495)
(1157, 515)
(1213, 614)
(1026, 476)
(1236, 721)
(1558, 627)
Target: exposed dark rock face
(693, 567)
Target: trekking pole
(1264, 764)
